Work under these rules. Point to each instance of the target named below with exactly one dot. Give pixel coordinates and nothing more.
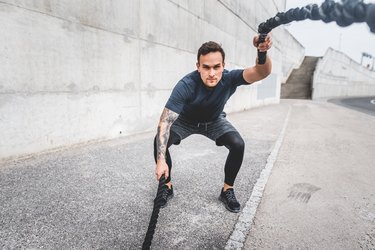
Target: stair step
(298, 85)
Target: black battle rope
(154, 215)
(344, 14)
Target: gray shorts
(213, 130)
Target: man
(196, 107)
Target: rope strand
(344, 14)
(154, 216)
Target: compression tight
(231, 140)
(234, 142)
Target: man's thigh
(220, 127)
(183, 129)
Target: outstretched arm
(167, 118)
(259, 71)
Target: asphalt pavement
(363, 104)
(100, 195)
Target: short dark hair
(208, 47)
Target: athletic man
(196, 107)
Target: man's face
(211, 68)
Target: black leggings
(231, 140)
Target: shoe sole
(227, 207)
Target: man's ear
(197, 64)
(223, 64)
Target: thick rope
(344, 14)
(154, 216)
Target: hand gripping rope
(344, 14)
(154, 216)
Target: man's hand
(259, 71)
(266, 45)
(161, 169)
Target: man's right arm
(167, 118)
(259, 71)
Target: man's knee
(238, 143)
(231, 140)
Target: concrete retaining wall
(337, 75)
(77, 71)
(293, 55)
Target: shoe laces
(229, 194)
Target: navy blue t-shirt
(193, 100)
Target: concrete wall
(293, 55)
(337, 75)
(73, 71)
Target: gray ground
(100, 196)
(362, 104)
(320, 194)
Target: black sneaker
(229, 200)
(167, 194)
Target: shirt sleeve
(179, 97)
(237, 77)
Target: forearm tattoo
(167, 118)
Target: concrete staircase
(299, 83)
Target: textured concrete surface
(299, 83)
(84, 70)
(100, 196)
(338, 75)
(320, 194)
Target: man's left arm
(259, 71)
